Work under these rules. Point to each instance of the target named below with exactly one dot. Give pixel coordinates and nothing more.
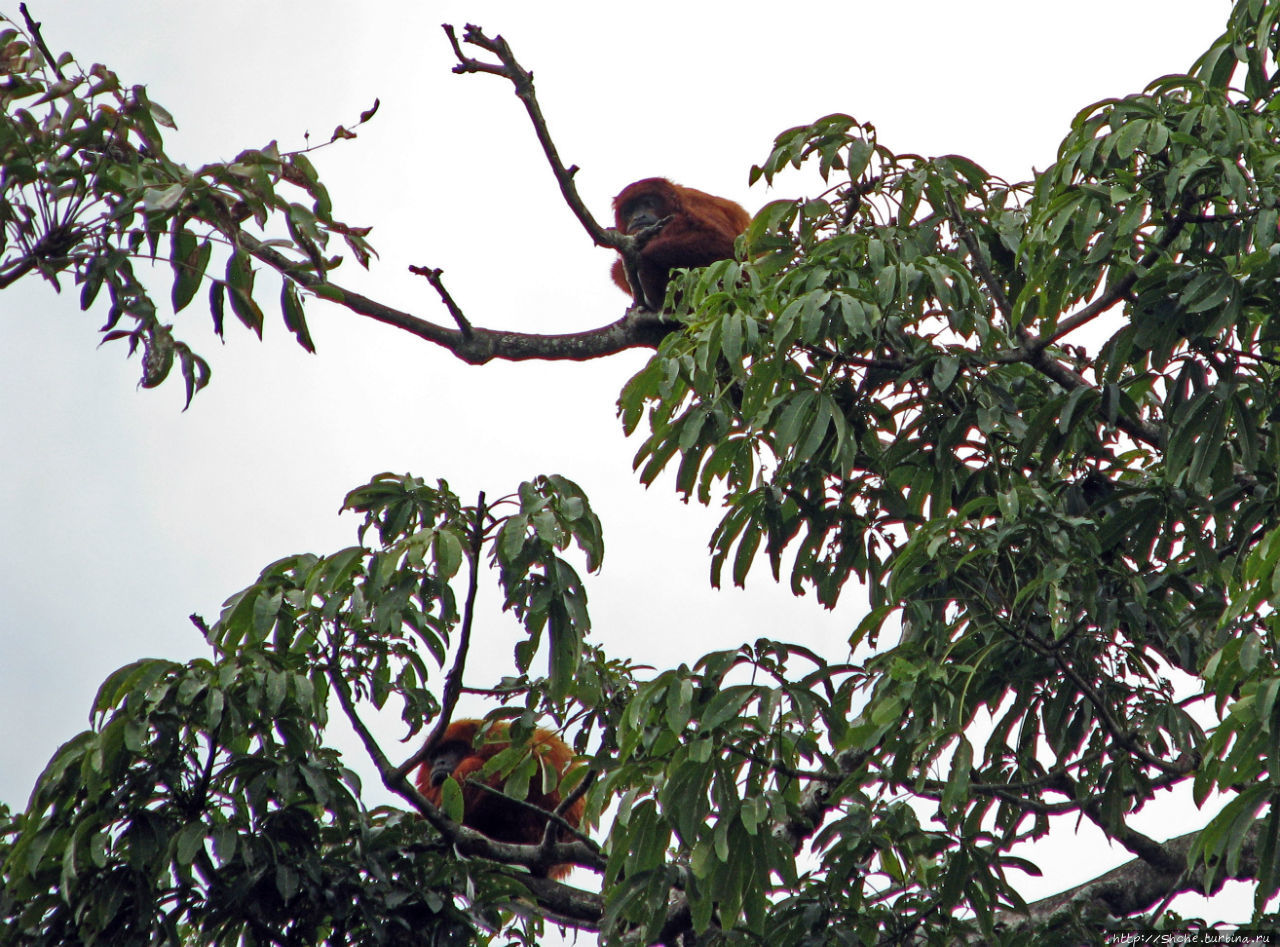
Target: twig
(579, 791)
(1102, 708)
(434, 277)
(980, 263)
(553, 821)
(34, 29)
(201, 625)
(453, 680)
(1032, 349)
(638, 328)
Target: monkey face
(445, 759)
(642, 212)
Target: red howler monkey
(701, 230)
(502, 819)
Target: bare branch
(434, 277)
(1136, 886)
(640, 327)
(636, 329)
(522, 80)
(34, 29)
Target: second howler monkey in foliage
(701, 230)
(502, 819)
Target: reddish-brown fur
(701, 231)
(501, 819)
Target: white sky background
(120, 515)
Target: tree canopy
(1033, 419)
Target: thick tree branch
(16, 270)
(636, 329)
(1135, 886)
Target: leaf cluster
(1036, 422)
(89, 192)
(204, 807)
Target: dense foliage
(1035, 420)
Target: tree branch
(453, 680)
(1135, 886)
(636, 329)
(466, 841)
(1115, 294)
(435, 278)
(980, 262)
(522, 80)
(817, 800)
(1038, 358)
(34, 29)
(17, 269)
(507, 68)
(1032, 349)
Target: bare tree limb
(636, 329)
(508, 68)
(522, 80)
(34, 29)
(435, 278)
(1135, 886)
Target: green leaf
(294, 318)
